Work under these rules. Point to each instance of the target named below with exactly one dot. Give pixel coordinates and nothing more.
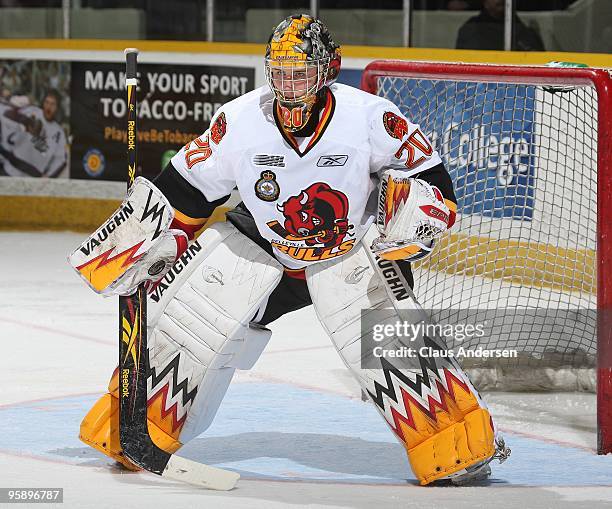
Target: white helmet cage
(301, 58)
(296, 82)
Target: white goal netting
(522, 258)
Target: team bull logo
(318, 216)
(396, 126)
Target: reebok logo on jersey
(269, 160)
(332, 160)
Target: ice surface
(294, 426)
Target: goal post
(530, 153)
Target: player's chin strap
(427, 400)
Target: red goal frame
(601, 80)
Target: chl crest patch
(267, 188)
(217, 131)
(395, 125)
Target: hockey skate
(478, 472)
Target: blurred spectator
(486, 31)
(32, 142)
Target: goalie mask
(301, 58)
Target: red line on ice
(51, 398)
(44, 328)
(562, 443)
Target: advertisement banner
(175, 105)
(34, 118)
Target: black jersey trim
(183, 196)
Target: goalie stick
(136, 442)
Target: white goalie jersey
(308, 196)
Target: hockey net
(528, 149)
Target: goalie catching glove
(412, 214)
(134, 246)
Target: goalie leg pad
(200, 334)
(422, 400)
(456, 447)
(203, 332)
(100, 427)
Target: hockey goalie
(338, 191)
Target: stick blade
(199, 474)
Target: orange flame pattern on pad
(397, 194)
(421, 422)
(166, 419)
(104, 269)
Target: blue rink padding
(278, 431)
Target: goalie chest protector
(308, 196)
